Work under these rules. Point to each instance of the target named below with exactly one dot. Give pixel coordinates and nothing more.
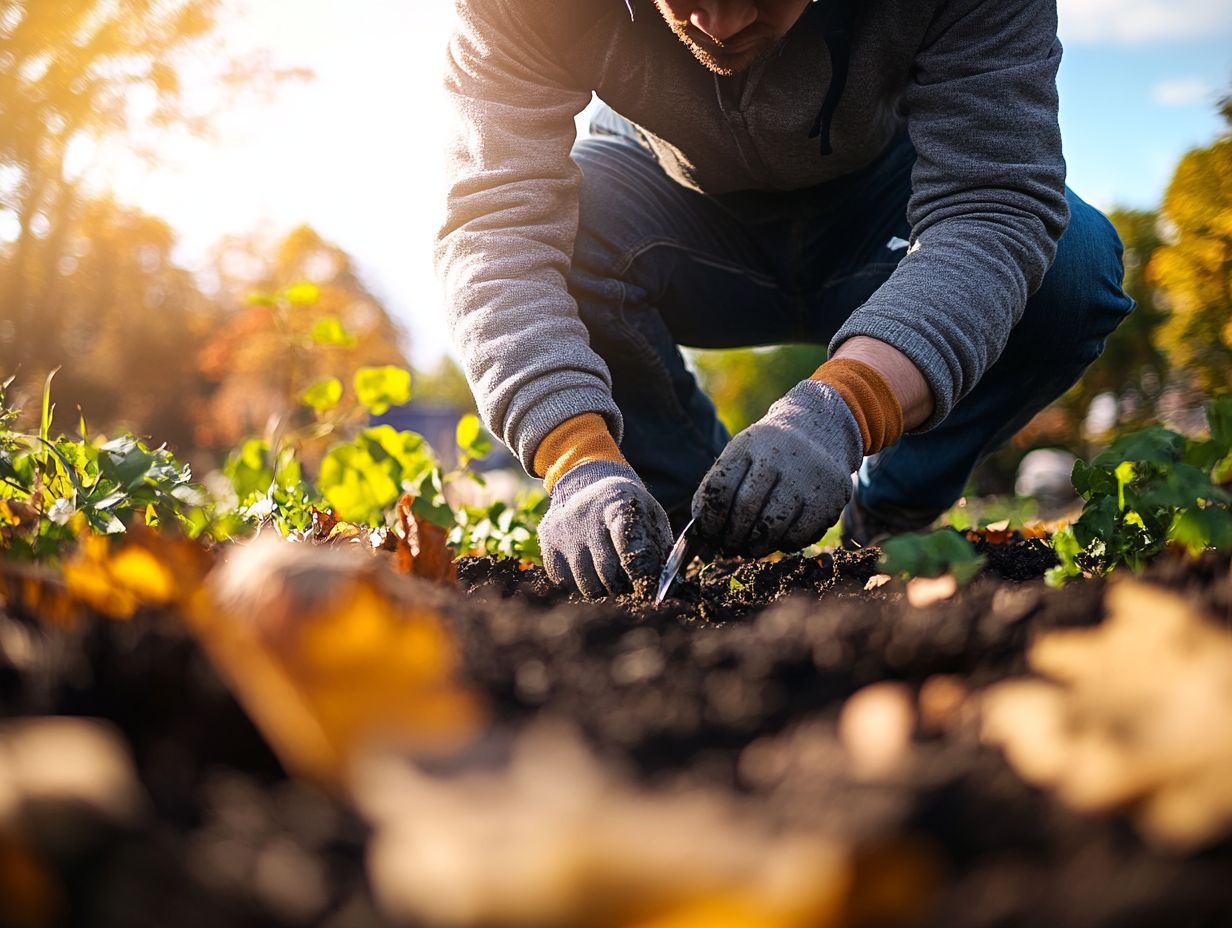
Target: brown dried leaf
(422, 549)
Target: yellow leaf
(141, 573)
(329, 662)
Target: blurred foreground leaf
(1136, 715)
(331, 658)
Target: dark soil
(736, 683)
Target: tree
(127, 317)
(69, 72)
(302, 315)
(1194, 269)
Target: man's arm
(504, 249)
(988, 201)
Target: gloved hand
(784, 480)
(603, 530)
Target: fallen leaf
(1137, 716)
(926, 591)
(876, 581)
(422, 549)
(875, 726)
(555, 838)
(330, 660)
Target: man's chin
(725, 64)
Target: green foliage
(362, 479)
(501, 530)
(1150, 488)
(473, 443)
(378, 388)
(931, 555)
(323, 395)
(267, 489)
(744, 382)
(53, 488)
(329, 331)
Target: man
(882, 176)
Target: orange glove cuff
(575, 441)
(870, 397)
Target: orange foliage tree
(302, 316)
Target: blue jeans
(657, 265)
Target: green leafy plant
(53, 488)
(1148, 489)
(501, 530)
(931, 554)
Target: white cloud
(1182, 91)
(1129, 22)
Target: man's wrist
(915, 397)
(869, 397)
(580, 440)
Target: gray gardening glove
(603, 530)
(784, 480)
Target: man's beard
(750, 46)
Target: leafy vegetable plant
(1148, 489)
(931, 554)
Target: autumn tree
(69, 73)
(301, 315)
(1194, 268)
(127, 317)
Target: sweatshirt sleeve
(988, 193)
(505, 247)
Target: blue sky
(357, 152)
(1128, 113)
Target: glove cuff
(587, 474)
(580, 440)
(870, 398)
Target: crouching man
(883, 178)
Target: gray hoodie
(974, 82)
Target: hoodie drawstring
(836, 30)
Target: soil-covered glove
(784, 480)
(603, 530)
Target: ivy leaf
(328, 330)
(1219, 416)
(362, 479)
(378, 388)
(249, 469)
(1152, 445)
(323, 395)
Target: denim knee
(1081, 300)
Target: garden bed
(799, 712)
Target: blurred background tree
(301, 315)
(73, 73)
(743, 382)
(127, 323)
(1194, 267)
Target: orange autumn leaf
(146, 569)
(422, 549)
(331, 655)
